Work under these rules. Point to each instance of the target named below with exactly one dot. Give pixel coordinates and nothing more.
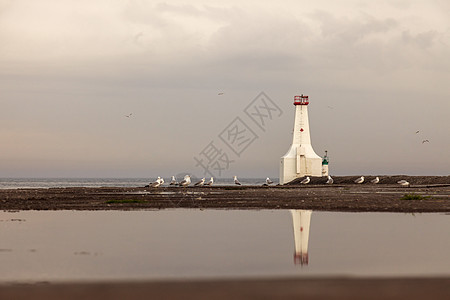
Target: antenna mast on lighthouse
(300, 160)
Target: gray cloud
(422, 40)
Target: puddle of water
(137, 245)
(150, 193)
(157, 192)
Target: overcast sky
(71, 71)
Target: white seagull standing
(360, 180)
(330, 180)
(306, 180)
(375, 180)
(156, 183)
(200, 183)
(403, 182)
(268, 181)
(210, 182)
(186, 181)
(236, 181)
(173, 181)
(161, 181)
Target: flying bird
(425, 141)
(417, 131)
(220, 94)
(375, 180)
(173, 181)
(330, 180)
(236, 181)
(156, 183)
(129, 115)
(306, 180)
(210, 182)
(403, 182)
(359, 180)
(268, 181)
(186, 181)
(200, 183)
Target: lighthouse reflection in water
(301, 220)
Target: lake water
(187, 244)
(14, 183)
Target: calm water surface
(15, 183)
(135, 245)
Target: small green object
(325, 159)
(412, 197)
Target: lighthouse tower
(300, 221)
(300, 160)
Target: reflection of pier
(300, 221)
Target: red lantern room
(301, 100)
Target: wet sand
(313, 288)
(337, 197)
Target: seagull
(360, 180)
(186, 181)
(129, 115)
(306, 180)
(417, 131)
(268, 182)
(161, 181)
(220, 94)
(173, 181)
(403, 182)
(375, 180)
(210, 182)
(330, 180)
(425, 141)
(200, 183)
(236, 181)
(156, 183)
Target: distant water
(17, 183)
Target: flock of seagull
(187, 181)
(357, 181)
(423, 141)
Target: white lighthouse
(301, 220)
(300, 160)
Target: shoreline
(338, 197)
